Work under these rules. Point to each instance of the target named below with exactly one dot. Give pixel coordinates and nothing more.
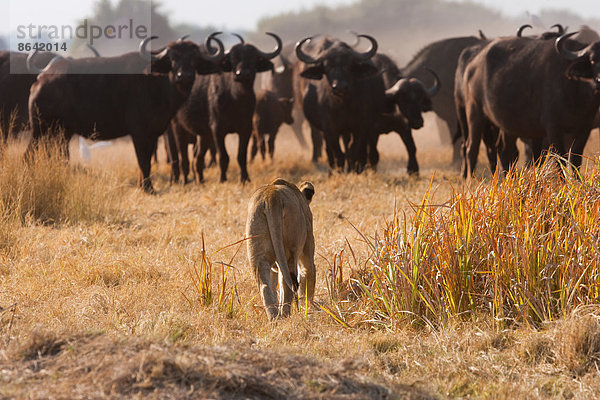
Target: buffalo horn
(144, 52)
(277, 49)
(522, 28)
(30, 65)
(35, 70)
(214, 54)
(432, 91)
(302, 56)
(559, 45)
(240, 38)
(356, 38)
(559, 29)
(372, 51)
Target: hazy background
(401, 26)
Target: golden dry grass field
(107, 292)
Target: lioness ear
(308, 190)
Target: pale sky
(241, 14)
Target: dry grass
(100, 301)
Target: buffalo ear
(308, 190)
(580, 70)
(391, 94)
(161, 65)
(390, 102)
(315, 72)
(364, 70)
(263, 65)
(225, 64)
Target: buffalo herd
(543, 90)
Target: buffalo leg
(201, 147)
(576, 148)
(298, 116)
(372, 151)
(476, 126)
(358, 153)
(412, 167)
(172, 156)
(317, 140)
(144, 148)
(242, 156)
(253, 146)
(213, 154)
(490, 138)
(219, 139)
(509, 154)
(271, 144)
(537, 146)
(262, 145)
(184, 161)
(334, 152)
(182, 139)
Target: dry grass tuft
(538, 349)
(48, 190)
(39, 344)
(525, 249)
(579, 336)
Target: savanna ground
(106, 292)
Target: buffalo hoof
(149, 190)
(412, 169)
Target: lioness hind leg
(266, 290)
(286, 295)
(307, 279)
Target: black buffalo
(442, 57)
(533, 89)
(224, 103)
(271, 112)
(18, 71)
(340, 99)
(133, 94)
(504, 146)
(281, 82)
(406, 100)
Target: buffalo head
(341, 64)
(412, 98)
(245, 60)
(181, 60)
(585, 64)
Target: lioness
(280, 233)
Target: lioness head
(306, 188)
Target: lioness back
(294, 218)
